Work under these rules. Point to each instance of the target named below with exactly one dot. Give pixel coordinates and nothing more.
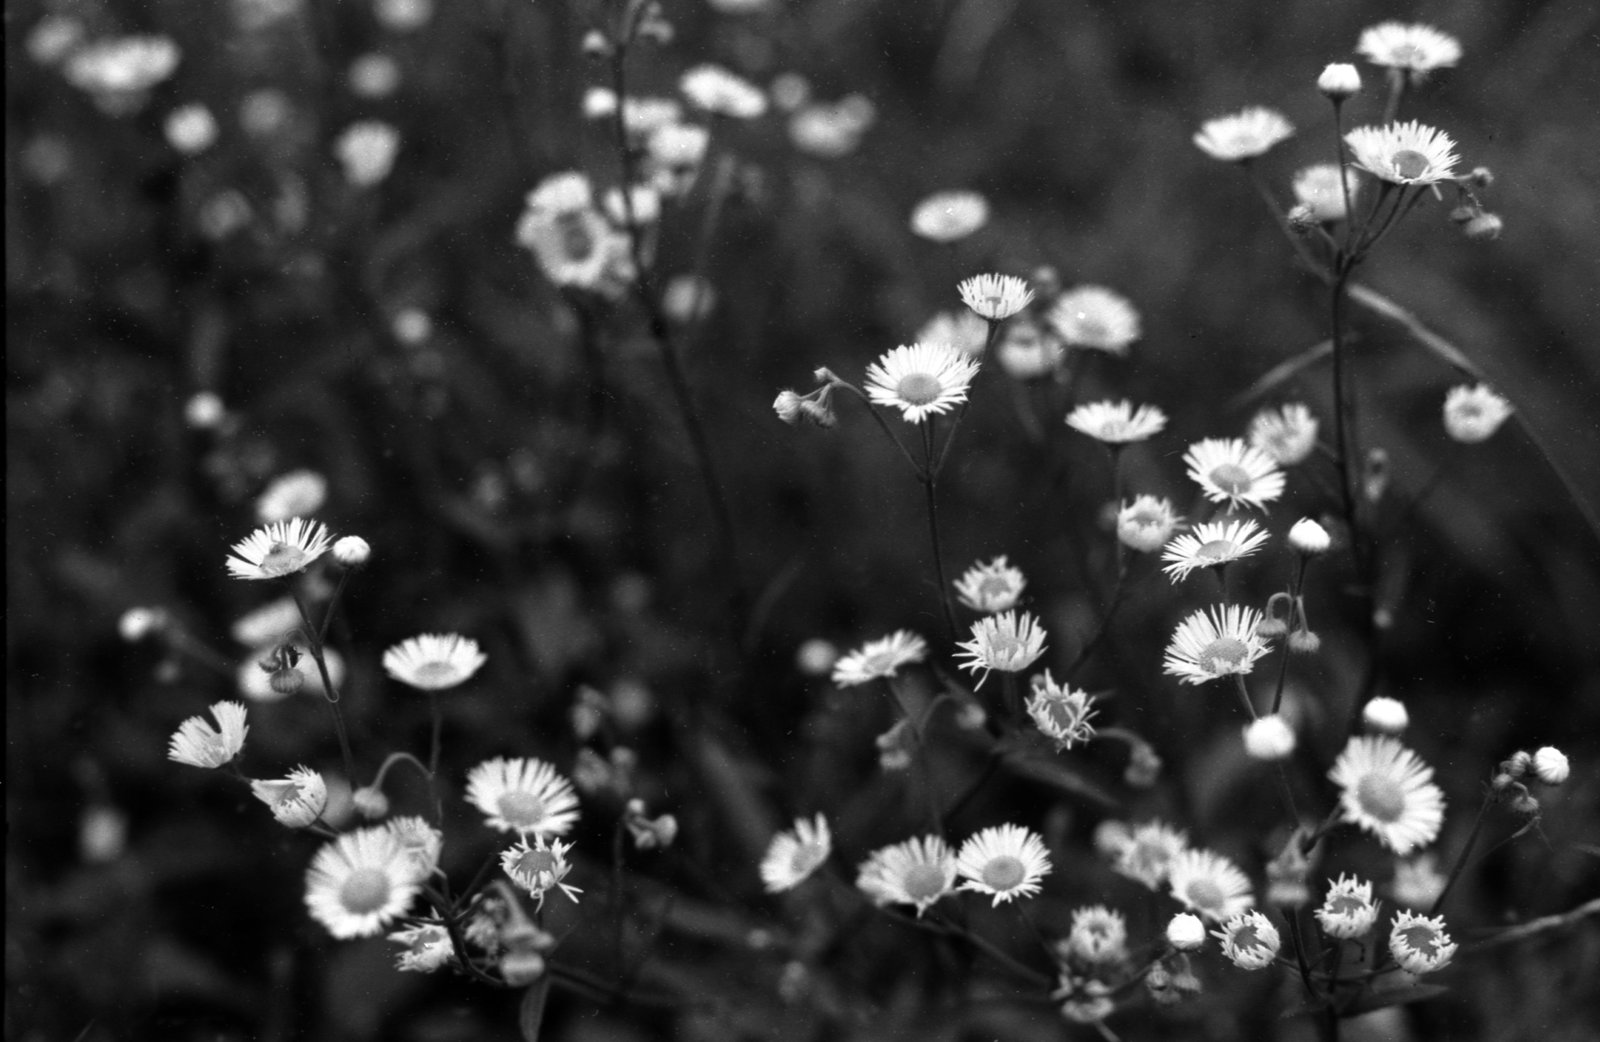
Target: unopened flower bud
(370, 802)
(1269, 738)
(1309, 538)
(1525, 804)
(1304, 642)
(894, 747)
(1302, 219)
(1481, 176)
(788, 407)
(138, 623)
(1486, 227)
(1186, 932)
(1385, 715)
(1375, 475)
(520, 968)
(286, 680)
(596, 45)
(1517, 763)
(1339, 81)
(819, 411)
(352, 551)
(1144, 767)
(1550, 765)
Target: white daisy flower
(1348, 910)
(1213, 644)
(1417, 881)
(1249, 940)
(539, 866)
(359, 883)
(1006, 862)
(1210, 885)
(1472, 414)
(1146, 524)
(1149, 852)
(1008, 642)
(296, 801)
(1387, 790)
(1095, 317)
(995, 297)
(1060, 712)
(1229, 471)
(1243, 135)
(1117, 423)
(950, 216)
(1419, 943)
(1319, 189)
(298, 493)
(1403, 153)
(426, 948)
(1027, 350)
(1414, 48)
(920, 379)
(1098, 935)
(992, 587)
(1210, 545)
(573, 243)
(434, 661)
(198, 744)
(1269, 738)
(523, 795)
(1288, 435)
(917, 872)
(1550, 765)
(720, 92)
(278, 549)
(420, 845)
(962, 330)
(879, 658)
(792, 856)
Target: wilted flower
(1419, 943)
(1387, 790)
(1403, 153)
(1060, 712)
(920, 380)
(1213, 644)
(296, 801)
(917, 872)
(1006, 862)
(367, 150)
(720, 92)
(434, 661)
(794, 855)
(1229, 471)
(1209, 884)
(425, 949)
(1472, 414)
(992, 587)
(359, 883)
(278, 549)
(879, 658)
(995, 297)
(420, 845)
(198, 744)
(1348, 911)
(1117, 423)
(523, 795)
(1212, 544)
(1249, 940)
(1098, 935)
(1007, 642)
(1095, 317)
(539, 866)
(950, 216)
(1146, 524)
(1417, 49)
(1242, 135)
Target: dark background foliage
(546, 501)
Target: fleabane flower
(367, 150)
(1417, 49)
(1348, 910)
(1117, 423)
(1027, 350)
(1339, 81)
(1309, 538)
(1269, 738)
(1249, 940)
(1212, 544)
(1387, 790)
(720, 92)
(1146, 524)
(950, 216)
(1419, 943)
(992, 587)
(119, 72)
(995, 297)
(1148, 853)
(1403, 153)
(1060, 712)
(1417, 881)
(539, 867)
(359, 883)
(1006, 862)
(523, 795)
(572, 241)
(434, 661)
(1229, 471)
(1095, 317)
(1288, 434)
(279, 549)
(1473, 414)
(1243, 135)
(1186, 932)
(879, 658)
(198, 744)
(1385, 715)
(918, 872)
(1215, 643)
(962, 330)
(1320, 189)
(793, 855)
(1008, 642)
(1098, 935)
(420, 845)
(1550, 765)
(1210, 885)
(423, 949)
(296, 801)
(921, 380)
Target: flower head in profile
(1095, 317)
(918, 872)
(793, 855)
(1243, 135)
(297, 800)
(1348, 910)
(950, 216)
(420, 843)
(1215, 643)
(1472, 414)
(1147, 523)
(995, 297)
(1387, 790)
(1419, 943)
(1249, 940)
(992, 587)
(523, 795)
(1416, 49)
(1385, 715)
(1006, 862)
(1008, 642)
(921, 380)
(279, 549)
(877, 659)
(1320, 189)
(719, 92)
(198, 744)
(1210, 545)
(962, 330)
(1229, 471)
(359, 883)
(1117, 423)
(423, 949)
(832, 130)
(1210, 885)
(1288, 434)
(1098, 935)
(434, 661)
(1403, 153)
(1309, 538)
(1028, 350)
(539, 866)
(1148, 853)
(1060, 712)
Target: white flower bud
(1550, 765)
(352, 551)
(1308, 537)
(1269, 738)
(1186, 932)
(1339, 81)
(1385, 716)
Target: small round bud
(1481, 176)
(1517, 764)
(1269, 738)
(1309, 538)
(370, 802)
(815, 658)
(204, 411)
(138, 623)
(1144, 767)
(1525, 804)
(1339, 81)
(971, 716)
(1304, 642)
(1550, 765)
(352, 551)
(788, 407)
(1385, 715)
(595, 44)
(1486, 227)
(1186, 932)
(1302, 219)
(286, 680)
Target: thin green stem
(1283, 649)
(330, 692)
(1466, 852)
(930, 485)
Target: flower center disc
(366, 890)
(805, 859)
(577, 242)
(282, 559)
(536, 861)
(1422, 938)
(1381, 798)
(1216, 550)
(441, 673)
(1232, 479)
(523, 810)
(918, 388)
(1205, 895)
(1410, 164)
(1003, 873)
(1223, 654)
(923, 882)
(993, 587)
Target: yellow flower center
(1410, 164)
(364, 891)
(993, 587)
(1381, 798)
(919, 388)
(534, 862)
(577, 241)
(1003, 873)
(1223, 655)
(1232, 479)
(1205, 894)
(1422, 938)
(1216, 550)
(437, 672)
(282, 559)
(522, 810)
(923, 882)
